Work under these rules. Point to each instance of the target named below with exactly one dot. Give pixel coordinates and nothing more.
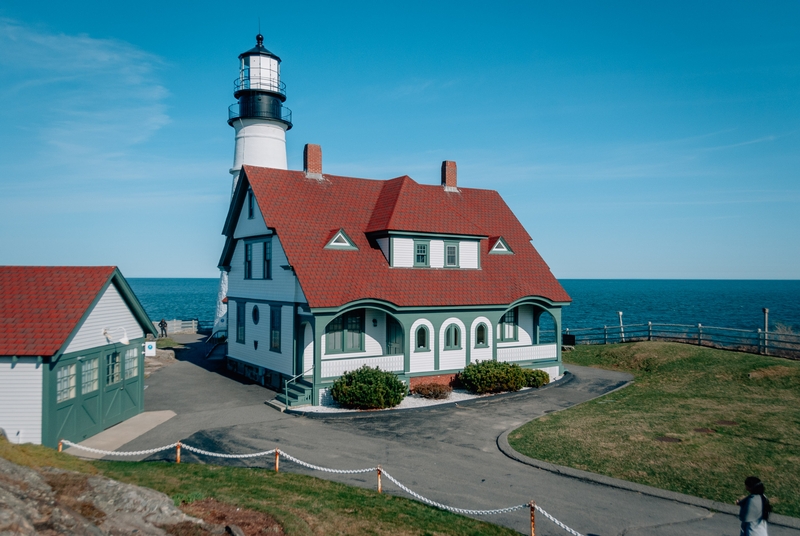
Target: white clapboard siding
(389, 363)
(421, 361)
(250, 227)
(481, 354)
(282, 287)
(437, 254)
(262, 356)
(527, 353)
(452, 359)
(403, 252)
(21, 400)
(552, 372)
(468, 254)
(374, 337)
(308, 349)
(383, 243)
(112, 313)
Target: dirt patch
(251, 522)
(772, 373)
(667, 439)
(727, 423)
(705, 431)
(67, 487)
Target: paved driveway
(448, 454)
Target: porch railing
(527, 353)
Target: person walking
(754, 508)
(163, 326)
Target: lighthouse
(259, 115)
(260, 120)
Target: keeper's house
(330, 273)
(71, 360)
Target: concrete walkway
(446, 453)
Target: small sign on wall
(150, 348)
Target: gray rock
(81, 505)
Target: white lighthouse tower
(259, 117)
(261, 121)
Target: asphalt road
(446, 453)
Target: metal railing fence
(754, 341)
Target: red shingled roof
(304, 211)
(40, 306)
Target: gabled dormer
(340, 240)
(499, 246)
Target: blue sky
(632, 140)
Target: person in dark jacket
(754, 509)
(163, 326)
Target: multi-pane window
(65, 383)
(422, 338)
(421, 253)
(251, 205)
(90, 375)
(113, 368)
(275, 328)
(268, 259)
(451, 255)
(452, 337)
(131, 363)
(345, 333)
(240, 322)
(508, 326)
(480, 336)
(248, 261)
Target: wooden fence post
(277, 459)
(533, 518)
(60, 445)
(178, 452)
(605, 334)
(649, 331)
(699, 334)
(380, 488)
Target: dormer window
(451, 254)
(422, 253)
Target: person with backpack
(754, 509)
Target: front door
(394, 336)
(114, 387)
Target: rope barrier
(381, 472)
(115, 453)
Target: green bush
(492, 377)
(536, 378)
(437, 391)
(368, 388)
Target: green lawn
(733, 414)
(303, 505)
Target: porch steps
(299, 394)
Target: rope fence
(532, 506)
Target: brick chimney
(449, 176)
(312, 161)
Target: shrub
(492, 377)
(368, 388)
(536, 378)
(436, 391)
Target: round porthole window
(256, 314)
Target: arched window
(422, 338)
(452, 337)
(480, 336)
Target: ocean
(595, 302)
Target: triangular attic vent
(501, 247)
(340, 240)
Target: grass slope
(684, 393)
(303, 505)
